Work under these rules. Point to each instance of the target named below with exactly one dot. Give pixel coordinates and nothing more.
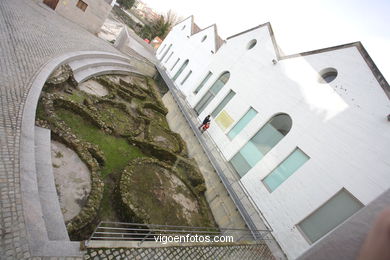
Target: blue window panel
(251, 154)
(281, 173)
(242, 123)
(264, 140)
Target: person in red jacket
(205, 127)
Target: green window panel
(261, 143)
(223, 103)
(186, 77)
(237, 128)
(176, 62)
(209, 74)
(170, 55)
(212, 92)
(331, 214)
(183, 66)
(290, 165)
(165, 53)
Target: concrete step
(98, 55)
(52, 215)
(85, 74)
(81, 64)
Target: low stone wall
(88, 153)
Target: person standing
(205, 121)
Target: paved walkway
(30, 35)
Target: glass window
(223, 103)
(186, 77)
(170, 55)
(82, 5)
(183, 66)
(165, 53)
(162, 48)
(262, 142)
(174, 65)
(242, 123)
(251, 44)
(203, 82)
(335, 211)
(327, 75)
(212, 92)
(292, 163)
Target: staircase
(46, 232)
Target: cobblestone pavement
(30, 35)
(247, 252)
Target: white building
(308, 133)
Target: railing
(136, 232)
(224, 170)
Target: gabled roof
(196, 29)
(281, 56)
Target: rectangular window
(291, 164)
(82, 5)
(165, 53)
(186, 77)
(223, 103)
(170, 55)
(331, 214)
(209, 74)
(259, 145)
(177, 61)
(163, 47)
(242, 123)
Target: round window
(251, 44)
(204, 38)
(327, 75)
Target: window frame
(228, 130)
(203, 82)
(82, 5)
(253, 135)
(211, 93)
(262, 180)
(186, 77)
(230, 92)
(320, 206)
(174, 65)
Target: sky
(300, 25)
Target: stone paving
(232, 252)
(30, 35)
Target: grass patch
(123, 122)
(77, 96)
(118, 151)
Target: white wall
(342, 125)
(93, 17)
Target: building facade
(307, 134)
(90, 14)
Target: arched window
(183, 66)
(212, 92)
(165, 53)
(261, 143)
(327, 75)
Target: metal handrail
(139, 232)
(187, 113)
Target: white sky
(300, 25)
